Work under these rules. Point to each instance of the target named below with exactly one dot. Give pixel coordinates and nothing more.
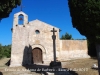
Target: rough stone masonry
(32, 43)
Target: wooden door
(37, 55)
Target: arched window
(21, 19)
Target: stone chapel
(32, 43)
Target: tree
(1, 51)
(66, 36)
(6, 7)
(91, 48)
(86, 19)
(5, 51)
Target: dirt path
(75, 67)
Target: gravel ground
(75, 67)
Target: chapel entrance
(37, 55)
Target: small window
(37, 31)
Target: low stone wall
(73, 49)
(73, 45)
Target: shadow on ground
(1, 73)
(73, 72)
(8, 62)
(95, 68)
(45, 69)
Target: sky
(53, 12)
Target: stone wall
(73, 49)
(25, 39)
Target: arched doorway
(37, 55)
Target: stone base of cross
(56, 64)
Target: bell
(20, 18)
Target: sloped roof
(42, 22)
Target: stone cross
(54, 44)
(21, 16)
(21, 6)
